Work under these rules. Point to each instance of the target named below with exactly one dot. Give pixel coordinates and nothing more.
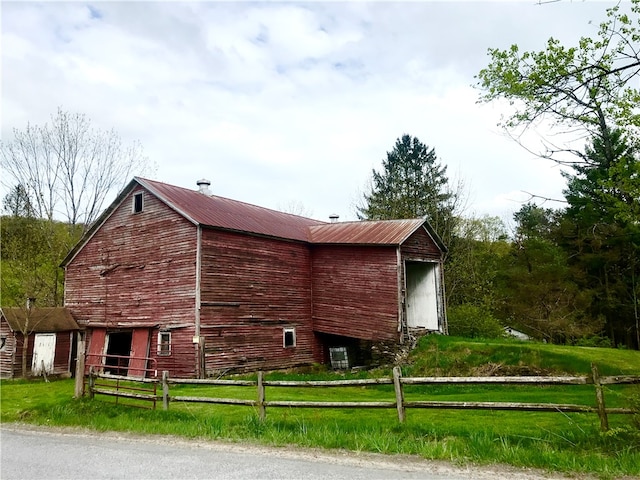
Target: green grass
(569, 443)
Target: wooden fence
(397, 381)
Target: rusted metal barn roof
(382, 232)
(41, 319)
(230, 214)
(220, 212)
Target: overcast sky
(287, 104)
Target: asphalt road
(43, 454)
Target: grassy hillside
(451, 356)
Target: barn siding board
(8, 352)
(252, 288)
(183, 356)
(137, 267)
(421, 246)
(355, 291)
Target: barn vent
(203, 186)
(333, 218)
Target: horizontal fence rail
(397, 381)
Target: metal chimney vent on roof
(203, 186)
(334, 217)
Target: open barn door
(139, 352)
(423, 295)
(95, 355)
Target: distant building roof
(41, 320)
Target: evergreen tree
(602, 232)
(412, 184)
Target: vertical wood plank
(261, 396)
(165, 390)
(79, 388)
(602, 412)
(397, 384)
(92, 381)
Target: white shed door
(44, 351)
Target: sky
(288, 105)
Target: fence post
(261, 408)
(397, 385)
(92, 382)
(602, 412)
(165, 390)
(79, 387)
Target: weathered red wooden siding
(420, 246)
(252, 288)
(355, 291)
(137, 270)
(182, 359)
(7, 354)
(60, 361)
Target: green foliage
(473, 322)
(574, 273)
(413, 184)
(31, 252)
(449, 356)
(476, 253)
(588, 86)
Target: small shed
(50, 341)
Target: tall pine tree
(412, 184)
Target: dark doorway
(118, 351)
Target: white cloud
(285, 103)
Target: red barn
(175, 279)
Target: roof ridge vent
(203, 186)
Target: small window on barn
(289, 337)
(138, 202)
(3, 343)
(164, 343)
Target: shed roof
(42, 320)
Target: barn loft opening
(422, 287)
(118, 351)
(138, 202)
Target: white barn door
(44, 351)
(422, 295)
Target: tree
(538, 285)
(413, 184)
(475, 257)
(67, 167)
(17, 202)
(602, 233)
(584, 91)
(586, 95)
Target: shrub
(472, 321)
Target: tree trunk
(25, 348)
